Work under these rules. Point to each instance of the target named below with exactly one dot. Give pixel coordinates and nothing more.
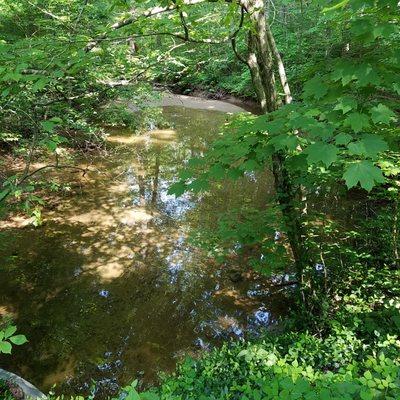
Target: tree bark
(262, 60)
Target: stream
(109, 289)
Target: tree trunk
(263, 58)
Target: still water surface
(108, 289)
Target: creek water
(109, 289)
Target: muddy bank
(230, 105)
(246, 104)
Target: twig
(55, 166)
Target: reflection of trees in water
(160, 159)
(80, 322)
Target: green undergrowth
(354, 355)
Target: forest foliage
(67, 69)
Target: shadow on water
(108, 288)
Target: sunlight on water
(108, 288)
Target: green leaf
(234, 173)
(275, 127)
(283, 141)
(365, 173)
(366, 394)
(344, 71)
(367, 375)
(341, 4)
(250, 165)
(384, 30)
(40, 84)
(185, 174)
(382, 114)
(362, 28)
(149, 396)
(315, 87)
(259, 124)
(48, 126)
(321, 152)
(10, 330)
(132, 395)
(4, 193)
(357, 121)
(368, 145)
(18, 339)
(314, 112)
(343, 138)
(199, 185)
(5, 347)
(49, 144)
(323, 130)
(217, 171)
(177, 189)
(346, 104)
(366, 75)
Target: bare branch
(55, 166)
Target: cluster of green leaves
(343, 130)
(260, 372)
(349, 105)
(7, 339)
(53, 91)
(302, 38)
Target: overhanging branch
(134, 18)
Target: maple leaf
(321, 152)
(177, 189)
(343, 138)
(346, 104)
(366, 75)
(382, 114)
(315, 87)
(365, 173)
(357, 121)
(368, 145)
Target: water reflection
(108, 288)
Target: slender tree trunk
(263, 59)
(252, 62)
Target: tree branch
(184, 25)
(134, 18)
(48, 13)
(233, 37)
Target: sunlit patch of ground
(199, 103)
(7, 312)
(16, 221)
